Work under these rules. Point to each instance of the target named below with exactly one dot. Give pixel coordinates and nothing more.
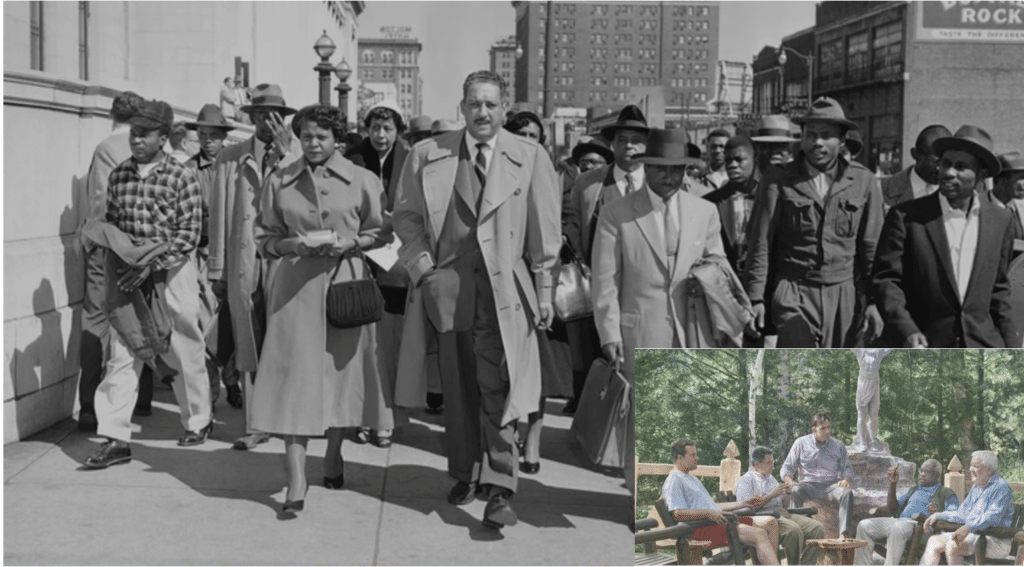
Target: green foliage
(933, 404)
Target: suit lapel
(989, 238)
(936, 230)
(649, 228)
(503, 173)
(439, 178)
(688, 225)
(727, 213)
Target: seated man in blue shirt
(794, 529)
(928, 497)
(990, 503)
(823, 470)
(688, 500)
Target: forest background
(934, 404)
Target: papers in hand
(319, 238)
(387, 256)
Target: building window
(888, 49)
(367, 56)
(599, 10)
(830, 63)
(857, 58)
(649, 25)
(648, 10)
(598, 67)
(598, 38)
(648, 39)
(623, 9)
(624, 53)
(623, 24)
(367, 73)
(387, 57)
(598, 23)
(598, 81)
(35, 18)
(83, 41)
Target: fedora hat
(853, 142)
(420, 124)
(669, 147)
(590, 145)
(444, 125)
(973, 140)
(1011, 161)
(826, 110)
(268, 95)
(630, 117)
(211, 116)
(774, 128)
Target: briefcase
(602, 415)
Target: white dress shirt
(920, 187)
(718, 178)
(620, 178)
(962, 234)
(471, 143)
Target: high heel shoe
(336, 483)
(294, 505)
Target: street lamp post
(324, 48)
(808, 59)
(343, 72)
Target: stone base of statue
(871, 481)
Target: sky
(452, 49)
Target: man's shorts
(717, 535)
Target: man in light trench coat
(478, 210)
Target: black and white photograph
(324, 282)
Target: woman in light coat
(313, 377)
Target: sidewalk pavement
(212, 505)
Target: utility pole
(548, 62)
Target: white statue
(868, 400)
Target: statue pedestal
(870, 476)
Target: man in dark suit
(109, 154)
(735, 200)
(1008, 189)
(920, 179)
(940, 271)
(472, 204)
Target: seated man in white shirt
(794, 529)
(688, 500)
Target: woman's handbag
(602, 416)
(356, 302)
(572, 290)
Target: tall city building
(389, 69)
(503, 62)
(602, 50)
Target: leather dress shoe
(142, 411)
(246, 442)
(462, 493)
(87, 420)
(499, 512)
(113, 452)
(336, 483)
(191, 438)
(235, 398)
(529, 468)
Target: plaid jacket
(166, 206)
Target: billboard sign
(971, 21)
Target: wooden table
(840, 551)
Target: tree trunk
(940, 434)
(846, 398)
(754, 373)
(963, 406)
(981, 399)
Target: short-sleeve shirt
(756, 484)
(685, 492)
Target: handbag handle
(358, 252)
(573, 258)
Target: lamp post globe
(343, 71)
(782, 56)
(324, 48)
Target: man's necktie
(481, 163)
(268, 150)
(671, 229)
(1018, 228)
(630, 187)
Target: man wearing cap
(212, 129)
(645, 244)
(383, 152)
(1008, 189)
(113, 150)
(473, 205)
(773, 141)
(596, 188)
(235, 270)
(154, 199)
(920, 179)
(419, 129)
(815, 226)
(716, 177)
(940, 276)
